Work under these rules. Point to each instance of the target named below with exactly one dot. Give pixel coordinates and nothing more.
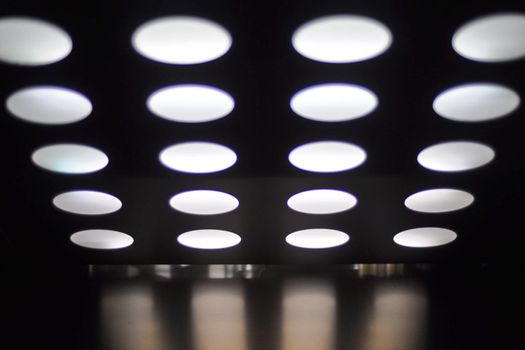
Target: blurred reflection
(308, 315)
(380, 270)
(163, 271)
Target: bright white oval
(204, 202)
(209, 239)
(425, 237)
(493, 38)
(327, 156)
(317, 238)
(476, 102)
(455, 156)
(70, 158)
(87, 202)
(51, 105)
(32, 42)
(198, 157)
(101, 239)
(191, 103)
(342, 39)
(322, 201)
(439, 200)
(333, 102)
(181, 40)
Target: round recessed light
(87, 202)
(327, 156)
(322, 201)
(181, 40)
(190, 103)
(209, 239)
(439, 200)
(198, 157)
(70, 158)
(425, 237)
(455, 156)
(333, 102)
(32, 42)
(317, 238)
(342, 39)
(204, 202)
(476, 102)
(51, 105)
(492, 38)
(101, 239)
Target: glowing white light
(476, 102)
(204, 202)
(425, 237)
(493, 38)
(70, 158)
(327, 156)
(32, 41)
(52, 105)
(322, 201)
(317, 238)
(455, 156)
(439, 200)
(190, 103)
(101, 239)
(198, 157)
(87, 202)
(333, 102)
(181, 40)
(209, 239)
(342, 39)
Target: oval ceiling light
(333, 102)
(70, 158)
(439, 200)
(204, 202)
(51, 105)
(492, 38)
(455, 156)
(198, 157)
(342, 39)
(209, 239)
(181, 40)
(425, 237)
(317, 238)
(327, 156)
(322, 201)
(87, 202)
(476, 102)
(190, 103)
(101, 239)
(32, 42)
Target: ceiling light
(198, 157)
(32, 41)
(70, 158)
(476, 102)
(455, 156)
(101, 239)
(181, 40)
(333, 102)
(87, 202)
(327, 156)
(342, 39)
(317, 238)
(322, 201)
(209, 239)
(190, 103)
(493, 38)
(52, 105)
(425, 237)
(439, 200)
(204, 202)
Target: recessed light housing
(198, 157)
(101, 239)
(327, 156)
(455, 156)
(425, 237)
(317, 238)
(69, 158)
(87, 202)
(209, 239)
(439, 200)
(204, 202)
(322, 201)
